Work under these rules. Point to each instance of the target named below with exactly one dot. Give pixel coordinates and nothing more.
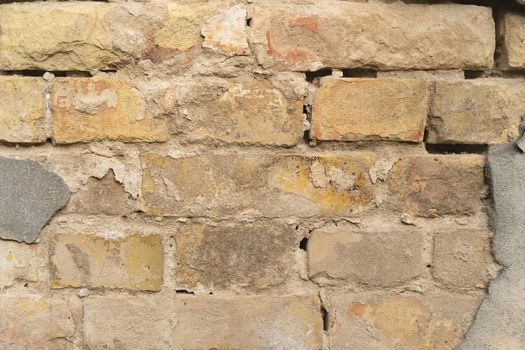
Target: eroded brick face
(438, 185)
(370, 109)
(256, 185)
(106, 261)
(22, 112)
(102, 109)
(257, 174)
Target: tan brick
(256, 185)
(478, 111)
(95, 109)
(404, 322)
(182, 30)
(22, 109)
(380, 259)
(226, 32)
(31, 322)
(437, 185)
(512, 37)
(235, 111)
(370, 109)
(17, 262)
(56, 36)
(247, 256)
(104, 196)
(337, 34)
(194, 322)
(108, 260)
(463, 259)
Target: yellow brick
(182, 30)
(55, 36)
(406, 321)
(258, 185)
(22, 110)
(370, 109)
(107, 261)
(31, 322)
(96, 109)
(477, 111)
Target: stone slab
(30, 196)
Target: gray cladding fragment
(29, 196)
(500, 321)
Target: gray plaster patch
(29, 196)
(500, 321)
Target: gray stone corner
(29, 196)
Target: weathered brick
(108, 260)
(336, 34)
(104, 196)
(193, 322)
(256, 185)
(95, 109)
(226, 32)
(182, 30)
(31, 322)
(379, 259)
(512, 37)
(56, 36)
(248, 256)
(463, 258)
(477, 111)
(17, 262)
(22, 109)
(437, 185)
(235, 111)
(370, 109)
(407, 322)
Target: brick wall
(256, 174)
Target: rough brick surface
(22, 110)
(513, 41)
(240, 110)
(462, 259)
(19, 262)
(182, 29)
(278, 322)
(438, 185)
(107, 260)
(226, 32)
(385, 36)
(32, 322)
(408, 322)
(95, 109)
(255, 185)
(249, 256)
(379, 259)
(55, 37)
(260, 174)
(370, 109)
(480, 111)
(104, 196)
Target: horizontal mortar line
(456, 148)
(56, 73)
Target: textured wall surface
(259, 174)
